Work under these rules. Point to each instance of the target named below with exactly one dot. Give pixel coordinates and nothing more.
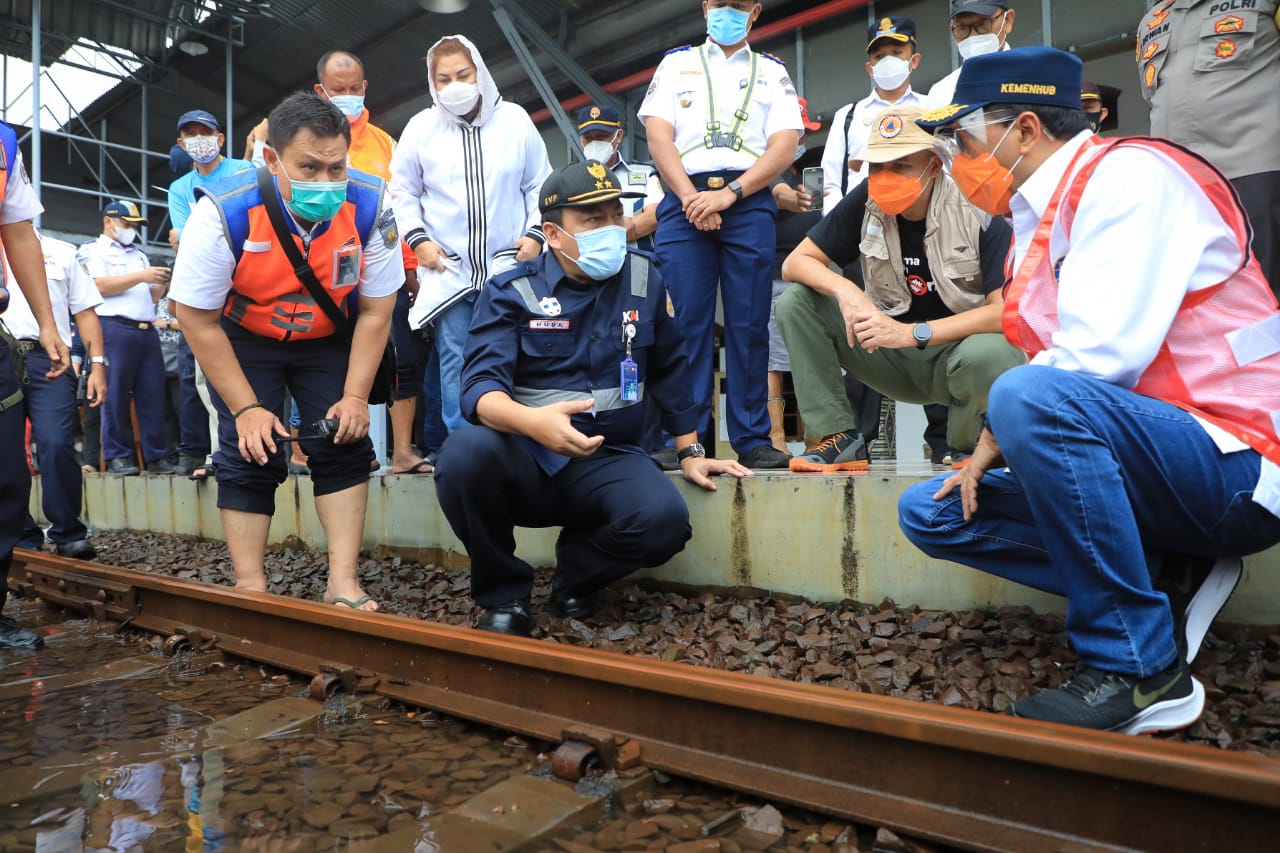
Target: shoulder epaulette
(520, 270)
(678, 49)
(776, 59)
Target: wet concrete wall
(825, 538)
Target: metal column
(37, 13)
(508, 27)
(227, 128)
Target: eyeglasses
(986, 25)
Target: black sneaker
(162, 468)
(666, 459)
(765, 457)
(188, 464)
(123, 467)
(14, 636)
(1095, 699)
(77, 549)
(511, 618)
(841, 451)
(1197, 588)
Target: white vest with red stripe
(1220, 359)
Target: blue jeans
(1102, 483)
(451, 338)
(434, 431)
(51, 407)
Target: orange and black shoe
(841, 451)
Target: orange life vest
(1213, 362)
(266, 297)
(370, 151)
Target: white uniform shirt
(1114, 333)
(202, 273)
(634, 179)
(105, 257)
(679, 95)
(838, 152)
(71, 290)
(20, 202)
(941, 93)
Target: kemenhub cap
(581, 184)
(1024, 75)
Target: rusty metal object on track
(954, 776)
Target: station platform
(825, 538)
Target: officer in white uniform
(130, 287)
(723, 123)
(600, 132)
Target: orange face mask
(894, 192)
(987, 184)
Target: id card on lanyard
(346, 267)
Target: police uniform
(1210, 69)
(131, 346)
(639, 178)
(541, 338)
(723, 109)
(230, 259)
(18, 203)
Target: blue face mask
(727, 25)
(315, 201)
(601, 251)
(351, 105)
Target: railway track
(952, 776)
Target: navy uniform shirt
(542, 338)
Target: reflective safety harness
(716, 138)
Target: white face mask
(979, 45)
(203, 149)
(891, 72)
(458, 98)
(126, 235)
(601, 149)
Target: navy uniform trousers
(314, 371)
(51, 407)
(619, 512)
(15, 477)
(739, 257)
(136, 366)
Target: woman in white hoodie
(464, 186)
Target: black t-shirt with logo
(840, 232)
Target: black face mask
(1095, 121)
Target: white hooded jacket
(470, 187)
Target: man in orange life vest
(255, 329)
(1140, 441)
(19, 243)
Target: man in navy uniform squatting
(565, 353)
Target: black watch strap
(693, 451)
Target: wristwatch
(99, 359)
(693, 451)
(923, 333)
(737, 189)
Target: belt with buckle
(133, 324)
(714, 180)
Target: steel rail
(969, 779)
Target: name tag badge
(346, 267)
(556, 324)
(630, 381)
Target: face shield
(966, 135)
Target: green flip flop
(354, 605)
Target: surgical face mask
(727, 25)
(979, 45)
(458, 98)
(351, 105)
(895, 192)
(600, 149)
(987, 184)
(203, 149)
(126, 235)
(891, 72)
(601, 251)
(315, 201)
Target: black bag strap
(844, 171)
(305, 274)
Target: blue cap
(976, 7)
(179, 161)
(126, 210)
(1024, 75)
(598, 117)
(901, 30)
(200, 117)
